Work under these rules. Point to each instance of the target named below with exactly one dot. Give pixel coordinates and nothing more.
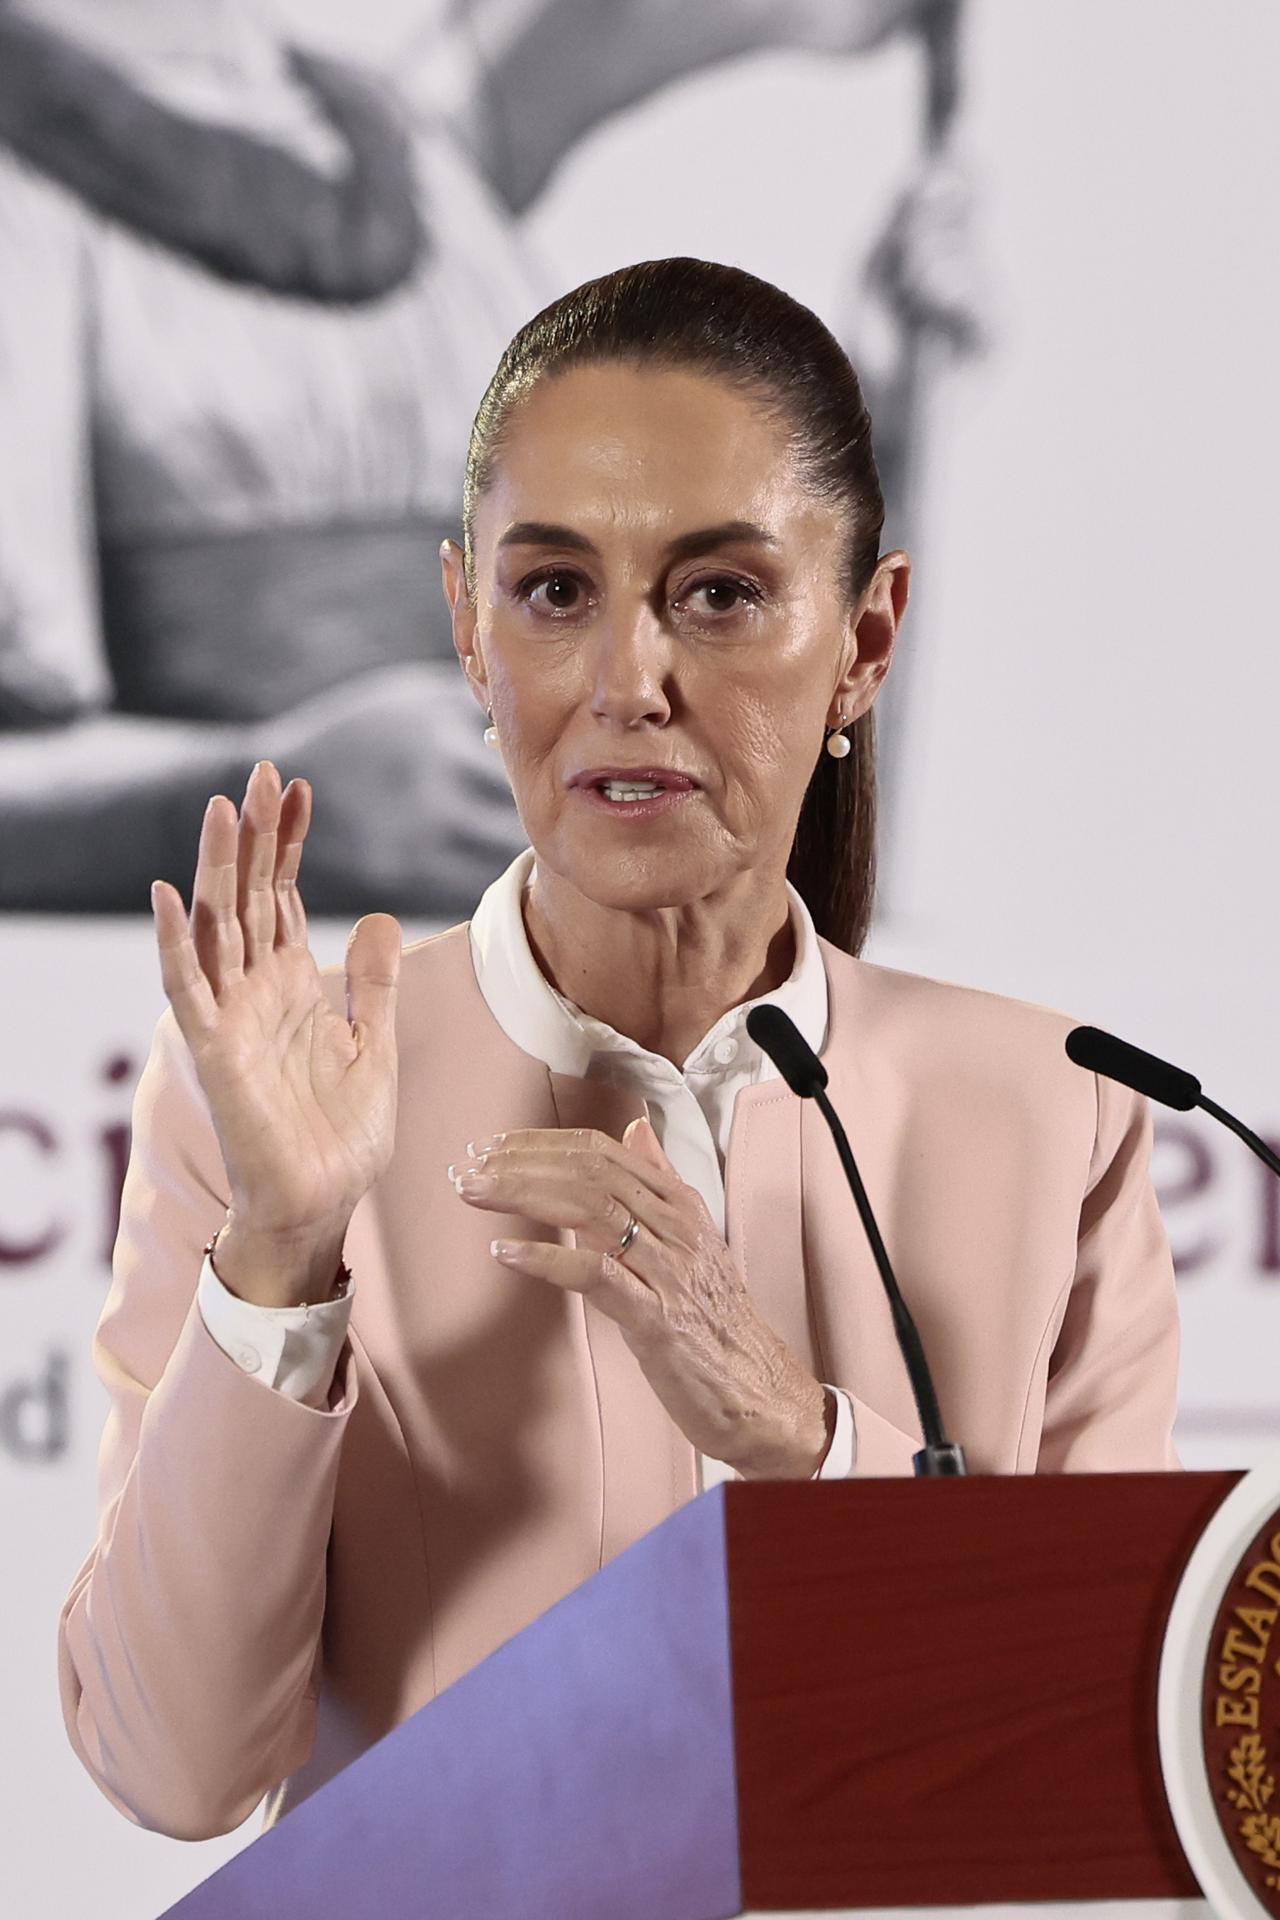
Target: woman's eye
(724, 594)
(552, 592)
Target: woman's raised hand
(302, 1100)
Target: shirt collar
(543, 1023)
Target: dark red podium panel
(945, 1691)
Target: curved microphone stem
(939, 1456)
(1246, 1134)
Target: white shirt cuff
(843, 1450)
(294, 1349)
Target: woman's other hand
(730, 1383)
(302, 1100)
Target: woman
(599, 1252)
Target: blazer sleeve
(1111, 1395)
(189, 1644)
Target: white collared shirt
(295, 1349)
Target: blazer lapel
(764, 1211)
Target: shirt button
(249, 1358)
(725, 1051)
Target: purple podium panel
(586, 1768)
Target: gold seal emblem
(1241, 1712)
(1219, 1702)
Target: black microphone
(804, 1073)
(1102, 1053)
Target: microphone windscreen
(1102, 1053)
(778, 1035)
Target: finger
(215, 925)
(185, 985)
(295, 818)
(605, 1282)
(373, 970)
(551, 1191)
(256, 862)
(661, 1178)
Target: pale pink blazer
(275, 1586)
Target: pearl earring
(490, 732)
(838, 744)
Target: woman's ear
(453, 576)
(875, 623)
(462, 612)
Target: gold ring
(633, 1228)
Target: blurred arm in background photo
(529, 78)
(523, 81)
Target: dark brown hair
(695, 313)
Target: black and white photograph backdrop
(258, 259)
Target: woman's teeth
(629, 790)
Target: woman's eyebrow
(729, 532)
(545, 533)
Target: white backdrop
(1092, 789)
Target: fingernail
(474, 1183)
(503, 1249)
(154, 885)
(476, 1147)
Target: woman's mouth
(633, 799)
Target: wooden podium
(857, 1693)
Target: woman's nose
(632, 666)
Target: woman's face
(657, 590)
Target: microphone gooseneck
(779, 1037)
(1115, 1059)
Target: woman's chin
(631, 870)
(631, 882)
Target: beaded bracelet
(337, 1292)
